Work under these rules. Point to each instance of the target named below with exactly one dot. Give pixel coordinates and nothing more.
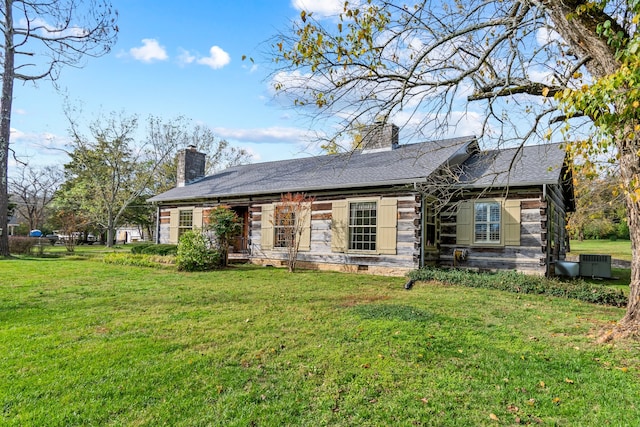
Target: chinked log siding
(527, 256)
(406, 246)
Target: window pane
(481, 212)
(481, 232)
(284, 227)
(362, 226)
(430, 235)
(185, 218)
(495, 212)
(494, 232)
(487, 222)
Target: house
(12, 224)
(391, 208)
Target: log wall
(320, 256)
(528, 257)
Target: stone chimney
(191, 165)
(379, 137)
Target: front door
(240, 245)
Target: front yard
(88, 343)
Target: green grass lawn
(87, 343)
(619, 249)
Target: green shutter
(305, 237)
(339, 226)
(387, 226)
(464, 223)
(174, 218)
(267, 238)
(511, 223)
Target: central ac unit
(595, 266)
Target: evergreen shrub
(513, 281)
(196, 253)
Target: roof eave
(389, 183)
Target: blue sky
(176, 58)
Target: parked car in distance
(53, 238)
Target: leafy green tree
(68, 220)
(517, 71)
(141, 214)
(109, 169)
(105, 174)
(600, 209)
(226, 225)
(39, 38)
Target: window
(430, 228)
(487, 222)
(362, 226)
(185, 221)
(493, 222)
(284, 227)
(365, 226)
(278, 225)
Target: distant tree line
(111, 173)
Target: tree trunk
(111, 232)
(630, 171)
(110, 235)
(5, 126)
(580, 31)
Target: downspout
(422, 230)
(421, 263)
(547, 256)
(157, 237)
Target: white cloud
(50, 31)
(185, 57)
(319, 7)
(545, 36)
(39, 148)
(274, 134)
(150, 51)
(217, 58)
(252, 69)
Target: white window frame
(374, 227)
(182, 227)
(488, 222)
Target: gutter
(308, 189)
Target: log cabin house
(391, 208)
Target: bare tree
(291, 217)
(33, 189)
(39, 38)
(180, 133)
(513, 72)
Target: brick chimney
(191, 165)
(379, 137)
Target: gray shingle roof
(405, 164)
(537, 164)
